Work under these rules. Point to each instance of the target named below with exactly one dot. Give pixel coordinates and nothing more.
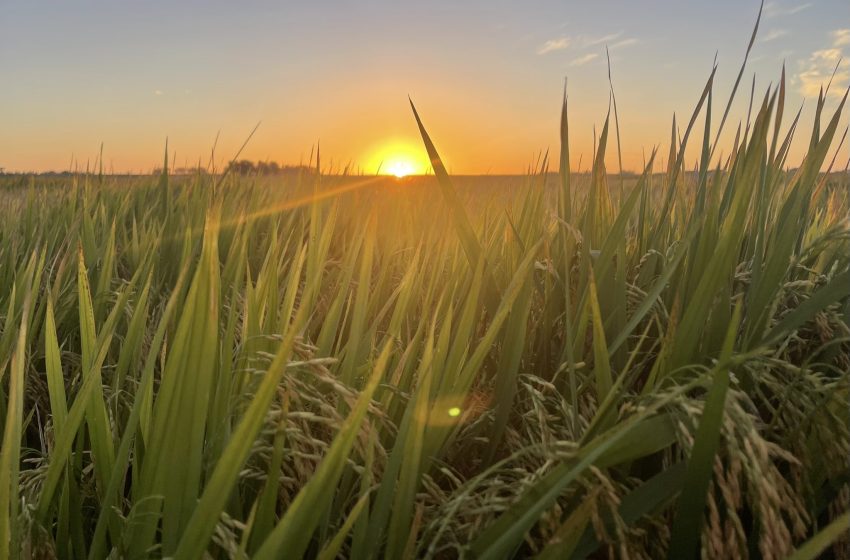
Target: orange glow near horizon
(489, 89)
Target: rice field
(555, 366)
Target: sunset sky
(486, 76)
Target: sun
(401, 168)
(398, 157)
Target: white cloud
(554, 45)
(773, 34)
(841, 37)
(776, 9)
(818, 69)
(582, 60)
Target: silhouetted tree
(241, 167)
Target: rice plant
(567, 366)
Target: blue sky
(486, 75)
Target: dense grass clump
(368, 368)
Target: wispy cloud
(624, 43)
(601, 40)
(777, 9)
(819, 68)
(773, 34)
(582, 60)
(586, 43)
(158, 92)
(553, 45)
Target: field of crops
(560, 367)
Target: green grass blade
(292, 535)
(460, 219)
(817, 545)
(688, 521)
(10, 452)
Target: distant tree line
(246, 167)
